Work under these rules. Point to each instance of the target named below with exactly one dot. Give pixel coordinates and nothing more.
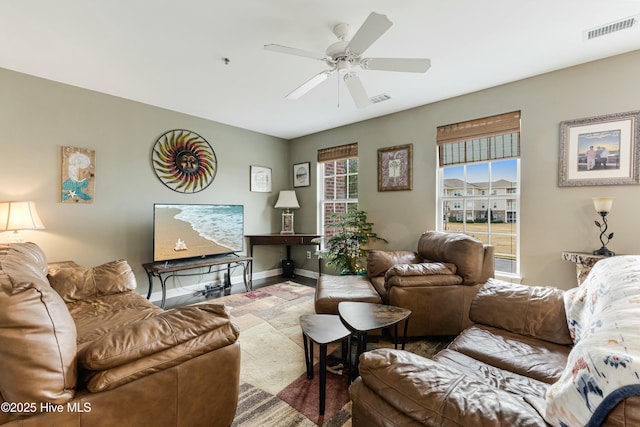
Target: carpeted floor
(274, 388)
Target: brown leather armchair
(79, 347)
(437, 282)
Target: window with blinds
(337, 182)
(491, 138)
(479, 184)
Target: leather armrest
(421, 269)
(149, 336)
(155, 344)
(379, 261)
(436, 394)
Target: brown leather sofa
(79, 347)
(495, 373)
(437, 282)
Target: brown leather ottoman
(332, 290)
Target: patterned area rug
(274, 388)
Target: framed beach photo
(600, 150)
(395, 168)
(301, 176)
(260, 179)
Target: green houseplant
(345, 243)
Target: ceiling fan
(344, 56)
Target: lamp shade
(287, 200)
(19, 216)
(603, 204)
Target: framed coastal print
(301, 175)
(78, 175)
(395, 168)
(599, 150)
(260, 177)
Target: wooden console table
(283, 239)
(163, 270)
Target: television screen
(187, 231)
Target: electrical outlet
(308, 254)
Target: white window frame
(321, 193)
(509, 199)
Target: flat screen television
(196, 230)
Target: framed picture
(78, 175)
(260, 179)
(599, 150)
(395, 168)
(301, 175)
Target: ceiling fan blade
(411, 65)
(356, 89)
(309, 84)
(293, 51)
(374, 26)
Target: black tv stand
(163, 270)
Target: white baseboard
(236, 281)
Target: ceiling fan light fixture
(345, 55)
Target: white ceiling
(169, 53)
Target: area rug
(274, 387)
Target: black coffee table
(361, 317)
(322, 329)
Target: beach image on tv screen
(185, 231)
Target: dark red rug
(304, 395)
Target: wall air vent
(379, 98)
(613, 27)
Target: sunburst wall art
(184, 161)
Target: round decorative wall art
(184, 161)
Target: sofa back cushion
(466, 252)
(37, 333)
(533, 311)
(81, 283)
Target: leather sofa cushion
(437, 395)
(80, 283)
(379, 261)
(149, 336)
(96, 317)
(499, 378)
(533, 311)
(464, 251)
(538, 359)
(37, 333)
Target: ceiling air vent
(379, 98)
(623, 24)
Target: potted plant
(347, 236)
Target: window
(338, 182)
(484, 155)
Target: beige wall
(553, 219)
(38, 117)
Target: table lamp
(18, 216)
(603, 207)
(287, 200)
